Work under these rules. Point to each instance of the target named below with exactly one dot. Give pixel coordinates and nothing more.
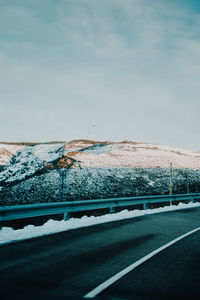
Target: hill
(82, 169)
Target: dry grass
(5, 152)
(49, 166)
(64, 162)
(30, 143)
(72, 154)
(131, 142)
(19, 143)
(148, 148)
(179, 153)
(83, 142)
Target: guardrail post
(112, 210)
(66, 216)
(145, 206)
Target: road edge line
(122, 273)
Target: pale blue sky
(131, 67)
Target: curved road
(69, 265)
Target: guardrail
(34, 210)
(43, 209)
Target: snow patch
(139, 155)
(46, 153)
(28, 160)
(8, 234)
(6, 151)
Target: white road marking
(117, 276)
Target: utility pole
(170, 180)
(63, 173)
(187, 183)
(63, 165)
(188, 188)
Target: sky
(101, 69)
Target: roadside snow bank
(8, 234)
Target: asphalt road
(68, 265)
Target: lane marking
(117, 276)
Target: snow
(28, 160)
(139, 155)
(8, 234)
(6, 151)
(46, 152)
(110, 169)
(99, 149)
(151, 183)
(124, 154)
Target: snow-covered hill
(33, 173)
(108, 154)
(27, 160)
(130, 154)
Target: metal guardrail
(34, 210)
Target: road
(70, 264)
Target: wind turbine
(92, 127)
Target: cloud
(133, 61)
